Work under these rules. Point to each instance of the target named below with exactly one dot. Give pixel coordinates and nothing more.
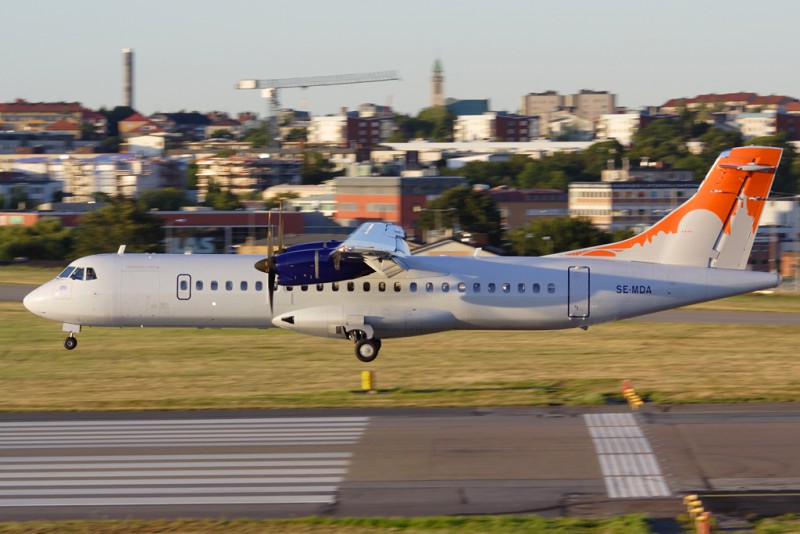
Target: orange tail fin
(715, 227)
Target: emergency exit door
(578, 300)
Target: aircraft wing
(380, 245)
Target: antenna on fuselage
(121, 249)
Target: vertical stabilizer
(715, 227)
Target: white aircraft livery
(369, 287)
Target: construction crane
(270, 90)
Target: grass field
(128, 369)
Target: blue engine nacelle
(313, 266)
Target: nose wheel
(366, 349)
(70, 343)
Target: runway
(398, 462)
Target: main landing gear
(71, 342)
(366, 349)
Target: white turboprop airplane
(369, 287)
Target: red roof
(63, 124)
(90, 115)
(23, 106)
(136, 117)
(772, 100)
(793, 107)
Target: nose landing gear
(70, 343)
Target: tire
(366, 350)
(70, 343)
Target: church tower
(437, 84)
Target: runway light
(368, 381)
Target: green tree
(439, 121)
(549, 236)
(316, 169)
(297, 134)
(45, 240)
(462, 207)
(221, 200)
(257, 136)
(166, 199)
(120, 223)
(222, 133)
(276, 201)
(191, 175)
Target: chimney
(127, 67)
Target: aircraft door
(578, 300)
(184, 287)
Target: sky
(189, 54)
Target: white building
(328, 130)
(757, 124)
(619, 126)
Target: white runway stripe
(629, 467)
(247, 476)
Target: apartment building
(350, 130)
(549, 106)
(244, 175)
(495, 126)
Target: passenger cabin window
(214, 285)
(412, 287)
(335, 286)
(491, 287)
(184, 285)
(289, 288)
(536, 288)
(521, 288)
(243, 286)
(303, 288)
(506, 287)
(366, 286)
(476, 287)
(229, 286)
(198, 285)
(462, 287)
(320, 287)
(429, 287)
(551, 288)
(351, 286)
(397, 287)
(445, 287)
(259, 286)
(381, 286)
(90, 274)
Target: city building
(495, 126)
(394, 199)
(631, 198)
(519, 207)
(137, 125)
(244, 175)
(22, 115)
(348, 129)
(36, 142)
(18, 189)
(619, 126)
(549, 106)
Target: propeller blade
(271, 289)
(270, 250)
(316, 264)
(281, 246)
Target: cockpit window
(66, 272)
(90, 274)
(77, 274)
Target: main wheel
(366, 350)
(70, 343)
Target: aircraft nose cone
(33, 301)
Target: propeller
(267, 265)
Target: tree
(221, 200)
(257, 136)
(166, 199)
(297, 134)
(277, 200)
(221, 133)
(549, 236)
(45, 240)
(120, 223)
(316, 169)
(472, 211)
(439, 121)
